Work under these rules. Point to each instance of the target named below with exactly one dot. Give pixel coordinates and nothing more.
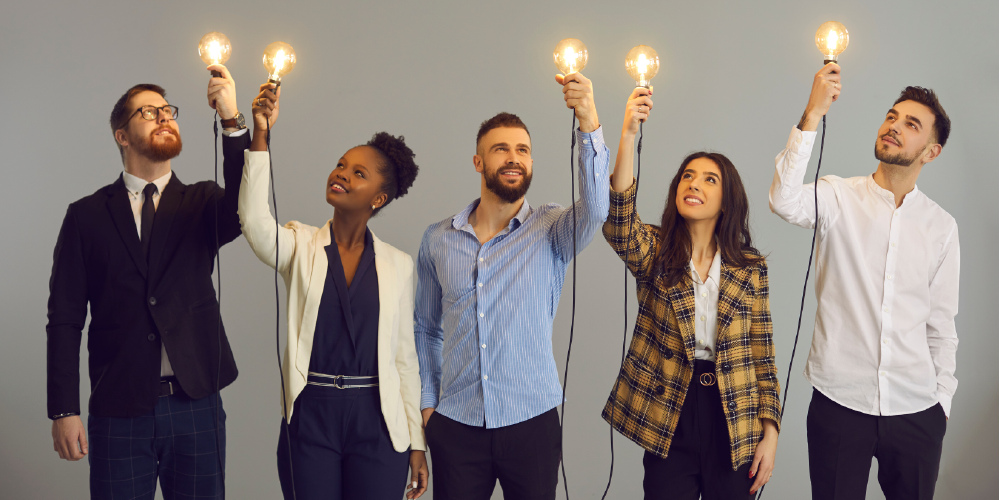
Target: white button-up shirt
(886, 287)
(135, 185)
(706, 306)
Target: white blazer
(302, 263)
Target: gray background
(734, 78)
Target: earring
(373, 207)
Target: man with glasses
(140, 253)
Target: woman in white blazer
(352, 383)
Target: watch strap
(236, 121)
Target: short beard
(897, 159)
(502, 190)
(159, 152)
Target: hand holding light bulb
(637, 109)
(570, 56)
(222, 92)
(831, 40)
(265, 113)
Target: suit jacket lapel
(314, 295)
(733, 285)
(682, 300)
(166, 210)
(121, 212)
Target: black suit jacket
(134, 304)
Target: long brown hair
(732, 229)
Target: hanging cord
(805, 285)
(218, 328)
(611, 428)
(277, 314)
(572, 320)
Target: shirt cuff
(236, 133)
(800, 142)
(945, 401)
(428, 400)
(592, 141)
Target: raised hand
(637, 109)
(578, 92)
(222, 92)
(825, 90)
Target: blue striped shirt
(483, 317)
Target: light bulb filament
(642, 64)
(831, 40)
(570, 57)
(215, 52)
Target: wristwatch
(236, 121)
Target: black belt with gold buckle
(170, 387)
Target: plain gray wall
(734, 78)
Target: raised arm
(222, 98)
(789, 198)
(592, 207)
(255, 214)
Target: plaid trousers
(175, 443)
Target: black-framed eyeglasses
(150, 112)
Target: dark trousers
(698, 461)
(340, 448)
(842, 443)
(176, 443)
(468, 461)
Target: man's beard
(894, 159)
(159, 151)
(504, 191)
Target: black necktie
(147, 217)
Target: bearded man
(140, 253)
(489, 284)
(882, 362)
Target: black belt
(170, 387)
(341, 381)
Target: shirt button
(886, 309)
(151, 337)
(480, 259)
(893, 244)
(895, 214)
(885, 341)
(152, 301)
(484, 346)
(481, 314)
(704, 294)
(701, 342)
(485, 377)
(480, 285)
(703, 318)
(882, 373)
(888, 277)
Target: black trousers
(698, 461)
(340, 448)
(175, 443)
(842, 443)
(468, 461)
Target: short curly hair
(927, 97)
(397, 166)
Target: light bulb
(831, 40)
(642, 63)
(570, 56)
(214, 48)
(279, 60)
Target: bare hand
(578, 92)
(419, 474)
(763, 458)
(426, 413)
(637, 109)
(69, 438)
(825, 90)
(265, 107)
(222, 92)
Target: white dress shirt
(886, 287)
(706, 307)
(135, 185)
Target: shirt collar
(135, 185)
(714, 272)
(462, 218)
(887, 195)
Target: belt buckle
(707, 379)
(338, 381)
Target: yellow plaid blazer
(654, 379)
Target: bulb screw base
(277, 83)
(216, 74)
(829, 59)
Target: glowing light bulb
(570, 56)
(642, 64)
(831, 40)
(279, 60)
(214, 48)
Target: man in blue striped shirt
(490, 279)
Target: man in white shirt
(882, 362)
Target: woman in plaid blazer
(698, 389)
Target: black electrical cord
(614, 404)
(805, 285)
(277, 313)
(218, 328)
(572, 320)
